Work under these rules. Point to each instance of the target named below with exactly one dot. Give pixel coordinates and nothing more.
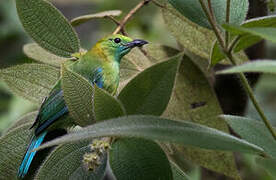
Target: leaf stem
(228, 53)
(130, 15)
(227, 19)
(233, 43)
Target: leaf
(192, 10)
(264, 66)
(253, 131)
(150, 91)
(83, 19)
(178, 174)
(78, 95)
(106, 106)
(34, 51)
(193, 99)
(133, 158)
(65, 162)
(181, 28)
(13, 146)
(268, 164)
(136, 61)
(31, 81)
(155, 128)
(26, 119)
(268, 33)
(48, 27)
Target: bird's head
(118, 45)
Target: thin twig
(158, 4)
(130, 14)
(233, 43)
(213, 23)
(118, 24)
(227, 19)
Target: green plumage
(99, 66)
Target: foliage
(165, 112)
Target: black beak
(136, 43)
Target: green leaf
(34, 51)
(181, 28)
(65, 162)
(178, 174)
(133, 158)
(192, 10)
(136, 61)
(217, 54)
(48, 27)
(150, 91)
(13, 146)
(31, 81)
(253, 131)
(264, 66)
(193, 99)
(268, 164)
(155, 128)
(83, 19)
(78, 95)
(106, 106)
(26, 119)
(265, 21)
(268, 33)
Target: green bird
(100, 66)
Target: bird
(100, 66)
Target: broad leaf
(194, 99)
(192, 10)
(65, 162)
(48, 27)
(13, 146)
(253, 131)
(34, 51)
(78, 95)
(155, 128)
(268, 33)
(31, 81)
(150, 91)
(106, 106)
(180, 27)
(133, 158)
(83, 19)
(264, 66)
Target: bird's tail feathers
(26, 162)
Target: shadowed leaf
(65, 162)
(83, 19)
(178, 174)
(132, 158)
(39, 54)
(31, 81)
(150, 91)
(48, 27)
(268, 164)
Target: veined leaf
(155, 128)
(65, 162)
(48, 27)
(83, 19)
(150, 91)
(133, 158)
(253, 131)
(264, 66)
(78, 95)
(192, 10)
(193, 99)
(34, 51)
(31, 81)
(13, 146)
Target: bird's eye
(117, 40)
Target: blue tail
(26, 162)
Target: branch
(129, 15)
(227, 21)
